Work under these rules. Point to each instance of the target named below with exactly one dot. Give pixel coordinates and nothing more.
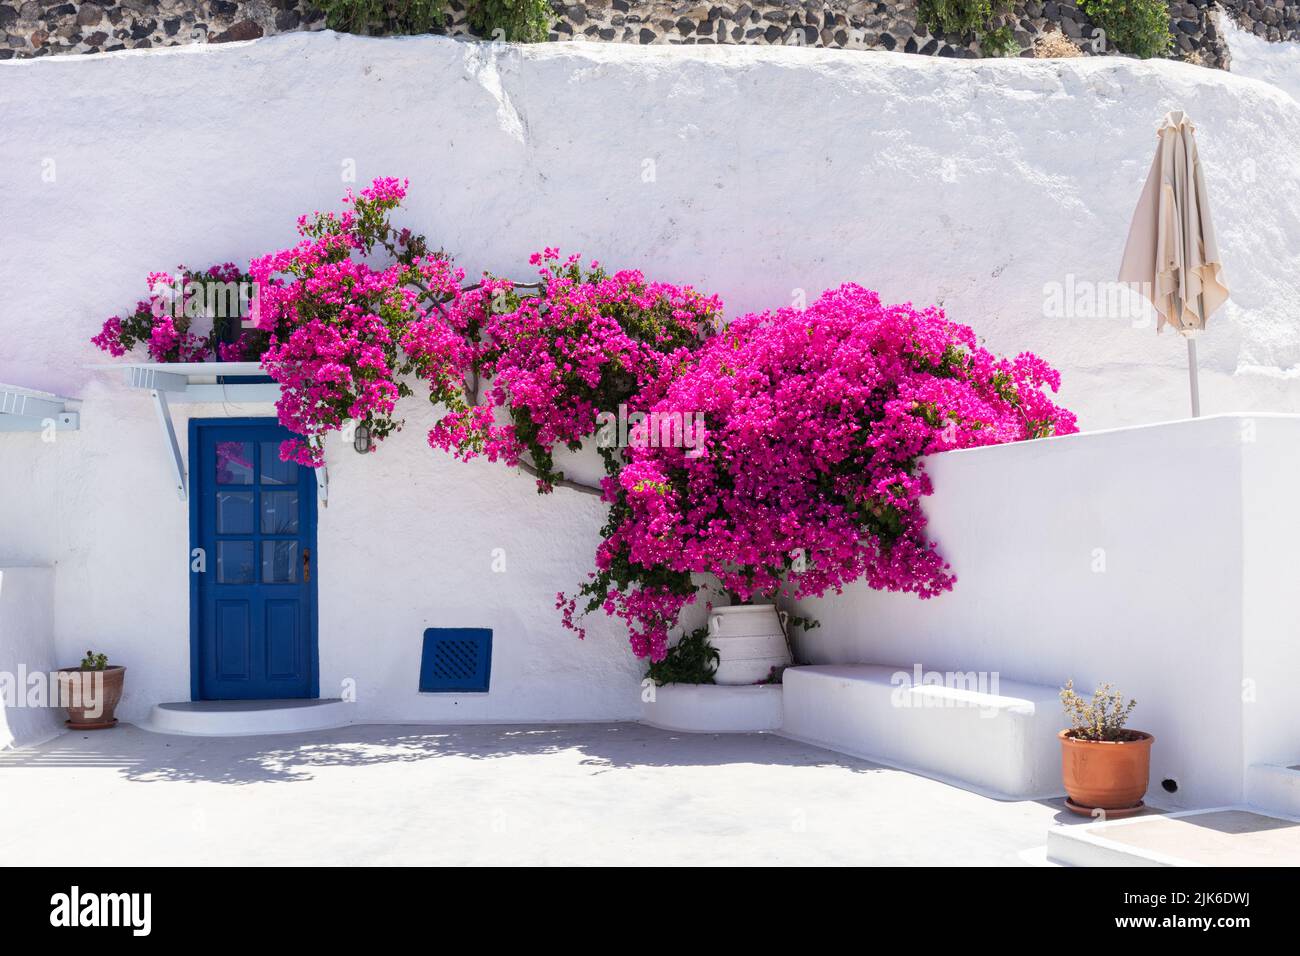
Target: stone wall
(31, 28)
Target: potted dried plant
(1105, 765)
(91, 692)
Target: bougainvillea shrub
(802, 472)
(166, 324)
(815, 423)
(577, 343)
(337, 322)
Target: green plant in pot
(91, 692)
(692, 660)
(1104, 765)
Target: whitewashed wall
(1257, 58)
(753, 172)
(1154, 558)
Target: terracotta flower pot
(1103, 774)
(90, 697)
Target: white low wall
(27, 651)
(1157, 558)
(752, 172)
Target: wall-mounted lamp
(361, 439)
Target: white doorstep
(1002, 744)
(238, 718)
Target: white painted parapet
(1161, 559)
(998, 740)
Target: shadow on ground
(145, 757)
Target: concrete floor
(573, 794)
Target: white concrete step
(1274, 787)
(1216, 836)
(714, 708)
(998, 739)
(238, 718)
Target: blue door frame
(253, 606)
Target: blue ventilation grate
(456, 659)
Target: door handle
(306, 565)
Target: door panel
(253, 612)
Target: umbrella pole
(1191, 372)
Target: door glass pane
(279, 562)
(279, 512)
(235, 562)
(234, 512)
(275, 471)
(234, 462)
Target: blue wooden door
(253, 591)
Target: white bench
(994, 736)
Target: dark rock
(1071, 29)
(62, 10)
(564, 27)
(930, 48)
(89, 15)
(910, 46)
(142, 28)
(647, 36)
(6, 54)
(8, 16)
(685, 26)
(243, 30)
(608, 33)
(772, 34)
(97, 38)
(577, 13)
(947, 51)
(620, 5)
(887, 41)
(287, 20)
(224, 7)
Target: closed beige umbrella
(1172, 252)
